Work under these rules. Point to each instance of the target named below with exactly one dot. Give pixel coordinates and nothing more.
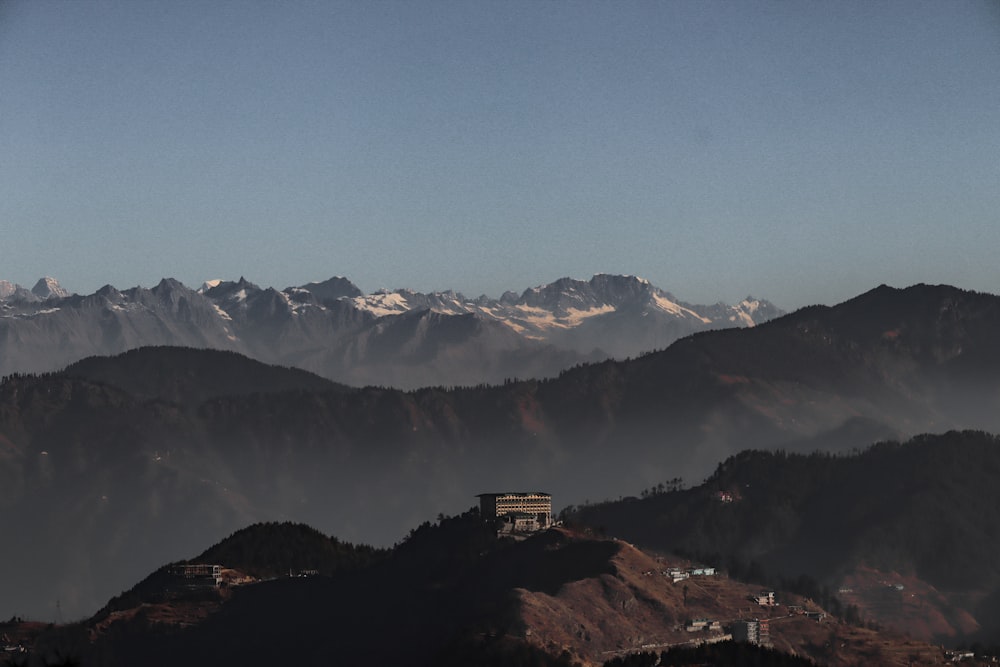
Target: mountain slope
(189, 376)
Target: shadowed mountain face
(107, 474)
(403, 339)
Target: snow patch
(221, 313)
(209, 284)
(668, 306)
(575, 316)
(382, 303)
(515, 326)
(544, 319)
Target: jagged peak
(48, 288)
(169, 284)
(336, 287)
(108, 290)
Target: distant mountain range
(120, 463)
(403, 339)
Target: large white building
(517, 511)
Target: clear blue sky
(799, 151)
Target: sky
(799, 151)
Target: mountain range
(116, 464)
(402, 338)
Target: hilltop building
(517, 512)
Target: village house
(703, 625)
(764, 599)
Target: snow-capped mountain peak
(48, 288)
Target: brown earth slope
(446, 597)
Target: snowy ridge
(567, 304)
(539, 311)
(668, 306)
(395, 338)
(383, 303)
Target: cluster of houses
(753, 631)
(959, 656)
(801, 611)
(676, 574)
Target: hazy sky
(799, 151)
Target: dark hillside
(273, 549)
(261, 551)
(189, 376)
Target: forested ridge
(930, 506)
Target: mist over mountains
(118, 464)
(403, 338)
